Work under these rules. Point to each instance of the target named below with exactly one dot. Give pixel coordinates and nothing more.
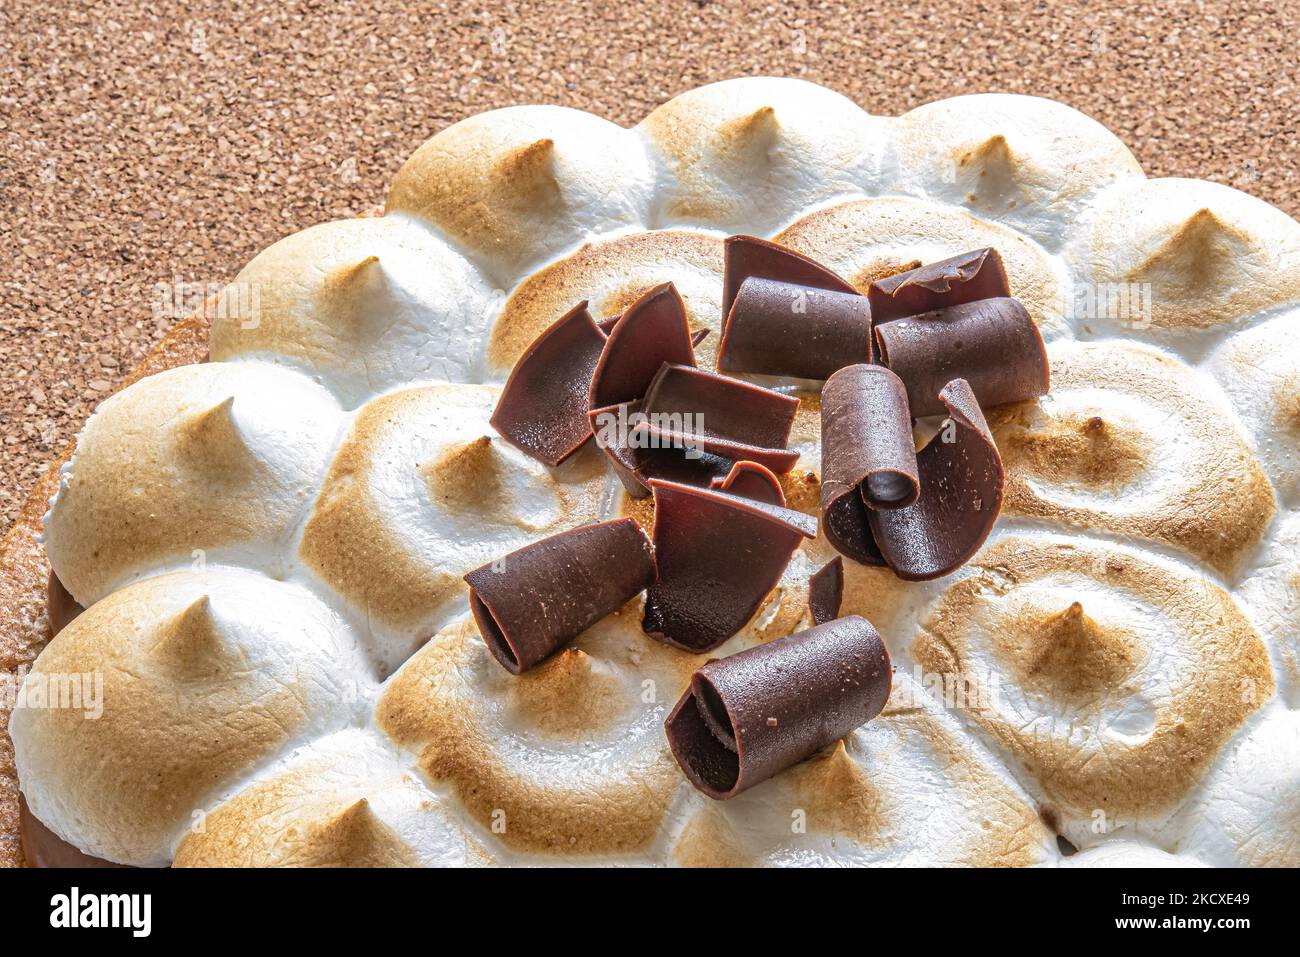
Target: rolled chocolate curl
(751, 480)
(778, 328)
(536, 599)
(543, 408)
(699, 411)
(651, 332)
(754, 714)
(992, 344)
(975, 275)
(961, 494)
(826, 591)
(718, 556)
(868, 456)
(747, 256)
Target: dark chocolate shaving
(826, 591)
(754, 714)
(699, 411)
(60, 607)
(966, 278)
(651, 332)
(636, 464)
(606, 326)
(961, 495)
(718, 556)
(746, 256)
(992, 344)
(751, 480)
(868, 456)
(532, 601)
(778, 328)
(543, 407)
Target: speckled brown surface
(145, 142)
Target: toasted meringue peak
(1259, 369)
(1174, 652)
(473, 728)
(612, 274)
(362, 305)
(749, 154)
(1098, 453)
(173, 662)
(418, 495)
(1201, 255)
(868, 239)
(340, 802)
(908, 787)
(1029, 162)
(516, 186)
(176, 469)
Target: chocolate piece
(688, 408)
(543, 407)
(974, 275)
(651, 332)
(868, 456)
(750, 716)
(961, 494)
(826, 591)
(606, 326)
(992, 344)
(751, 480)
(718, 556)
(635, 465)
(778, 328)
(746, 256)
(60, 607)
(533, 600)
(43, 848)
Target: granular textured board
(144, 145)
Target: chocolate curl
(543, 408)
(961, 495)
(978, 274)
(826, 591)
(651, 332)
(538, 598)
(992, 344)
(616, 431)
(732, 418)
(751, 480)
(868, 456)
(746, 256)
(606, 326)
(778, 328)
(718, 556)
(750, 716)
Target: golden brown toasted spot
(1070, 656)
(569, 696)
(708, 841)
(840, 798)
(1075, 448)
(210, 440)
(594, 804)
(468, 475)
(1079, 668)
(525, 178)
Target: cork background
(149, 144)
